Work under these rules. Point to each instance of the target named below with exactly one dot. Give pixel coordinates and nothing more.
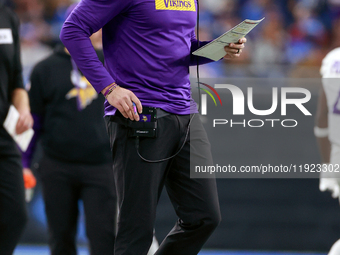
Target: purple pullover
(147, 47)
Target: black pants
(63, 185)
(139, 185)
(13, 215)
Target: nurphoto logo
(238, 98)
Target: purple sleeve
(28, 154)
(194, 60)
(87, 18)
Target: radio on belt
(147, 124)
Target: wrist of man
(24, 111)
(107, 90)
(23, 108)
(321, 132)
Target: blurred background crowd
(291, 42)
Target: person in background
(12, 196)
(77, 161)
(327, 129)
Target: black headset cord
(165, 159)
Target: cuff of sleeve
(25, 163)
(103, 84)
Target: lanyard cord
(162, 160)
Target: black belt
(120, 119)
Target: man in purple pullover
(147, 47)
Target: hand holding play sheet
(10, 123)
(215, 49)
